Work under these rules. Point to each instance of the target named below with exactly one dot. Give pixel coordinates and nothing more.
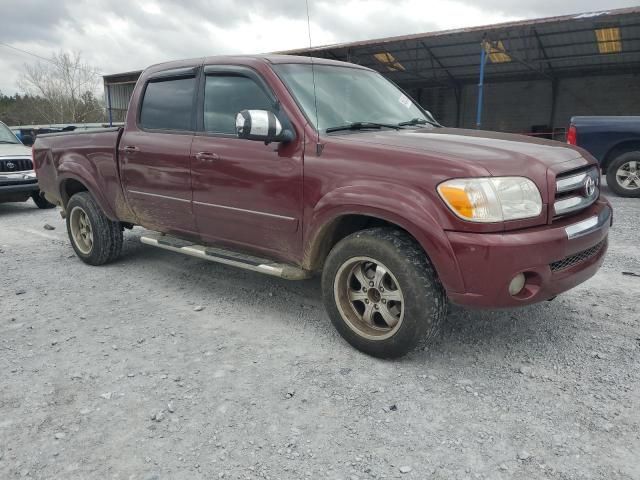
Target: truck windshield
(6, 135)
(349, 97)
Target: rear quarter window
(168, 104)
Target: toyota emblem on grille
(11, 165)
(589, 187)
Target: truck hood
(14, 150)
(497, 153)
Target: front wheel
(381, 292)
(95, 238)
(623, 175)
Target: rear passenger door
(154, 152)
(245, 193)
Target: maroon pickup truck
(290, 167)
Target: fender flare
(79, 173)
(411, 212)
(619, 148)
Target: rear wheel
(623, 175)
(381, 292)
(95, 238)
(40, 201)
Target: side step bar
(226, 257)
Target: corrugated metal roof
(549, 47)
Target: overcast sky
(121, 35)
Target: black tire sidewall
(105, 239)
(612, 180)
(421, 290)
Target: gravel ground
(168, 367)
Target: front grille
(15, 165)
(577, 258)
(576, 191)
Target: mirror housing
(261, 125)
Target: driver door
(245, 194)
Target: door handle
(131, 149)
(207, 156)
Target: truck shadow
(465, 334)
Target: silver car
(18, 181)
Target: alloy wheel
(369, 298)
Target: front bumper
(554, 258)
(19, 182)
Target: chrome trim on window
(589, 225)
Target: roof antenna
(313, 77)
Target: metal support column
(109, 105)
(554, 101)
(483, 60)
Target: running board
(226, 257)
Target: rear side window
(168, 104)
(225, 96)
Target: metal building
(117, 92)
(527, 77)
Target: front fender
(411, 210)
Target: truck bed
(61, 160)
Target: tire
(623, 175)
(95, 239)
(404, 303)
(40, 201)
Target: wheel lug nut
(364, 289)
(384, 301)
(376, 306)
(371, 284)
(382, 289)
(366, 300)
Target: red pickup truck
(290, 166)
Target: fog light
(517, 284)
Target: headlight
(495, 199)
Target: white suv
(18, 181)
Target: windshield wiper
(417, 121)
(7, 141)
(362, 126)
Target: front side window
(6, 135)
(168, 104)
(225, 96)
(346, 95)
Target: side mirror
(261, 125)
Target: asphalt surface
(115, 372)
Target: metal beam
(437, 60)
(496, 45)
(109, 105)
(573, 72)
(417, 73)
(383, 43)
(554, 101)
(553, 59)
(483, 60)
(542, 49)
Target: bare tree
(67, 87)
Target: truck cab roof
(248, 60)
